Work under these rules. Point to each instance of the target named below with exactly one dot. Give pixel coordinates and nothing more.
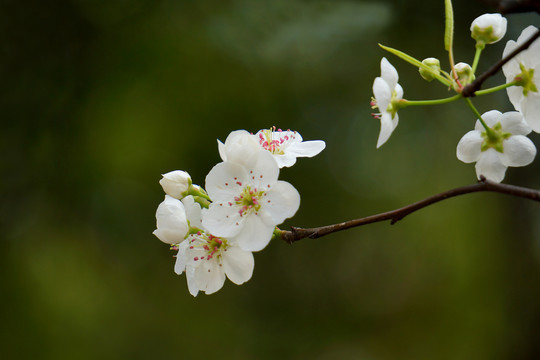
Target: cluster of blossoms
(215, 231)
(498, 140)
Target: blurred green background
(98, 98)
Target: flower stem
(489, 132)
(495, 88)
(476, 58)
(405, 103)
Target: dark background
(98, 98)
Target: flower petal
(382, 93)
(306, 148)
(389, 73)
(172, 225)
(193, 212)
(530, 106)
(181, 257)
(192, 281)
(490, 166)
(513, 122)
(240, 148)
(238, 264)
(255, 233)
(469, 147)
(225, 181)
(281, 201)
(519, 150)
(264, 172)
(222, 219)
(387, 127)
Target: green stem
(495, 88)
(405, 103)
(473, 108)
(476, 58)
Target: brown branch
(394, 216)
(469, 90)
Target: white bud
(488, 28)
(175, 183)
(172, 225)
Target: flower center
(494, 138)
(207, 246)
(249, 200)
(525, 79)
(274, 140)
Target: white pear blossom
(507, 146)
(240, 147)
(287, 145)
(284, 145)
(172, 224)
(488, 28)
(176, 183)
(387, 93)
(248, 201)
(207, 259)
(526, 67)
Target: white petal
(255, 234)
(382, 93)
(193, 212)
(389, 73)
(306, 148)
(490, 166)
(513, 122)
(192, 281)
(208, 277)
(223, 220)
(469, 147)
(172, 225)
(181, 257)
(530, 106)
(265, 171)
(225, 181)
(221, 150)
(519, 150)
(515, 95)
(281, 201)
(491, 118)
(387, 127)
(238, 264)
(399, 92)
(241, 148)
(285, 160)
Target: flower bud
(433, 63)
(488, 29)
(464, 72)
(172, 225)
(176, 183)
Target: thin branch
(394, 216)
(469, 90)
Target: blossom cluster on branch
(215, 231)
(499, 140)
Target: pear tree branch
(297, 233)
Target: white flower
(176, 183)
(488, 28)
(507, 146)
(248, 202)
(387, 93)
(526, 66)
(207, 259)
(285, 146)
(172, 224)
